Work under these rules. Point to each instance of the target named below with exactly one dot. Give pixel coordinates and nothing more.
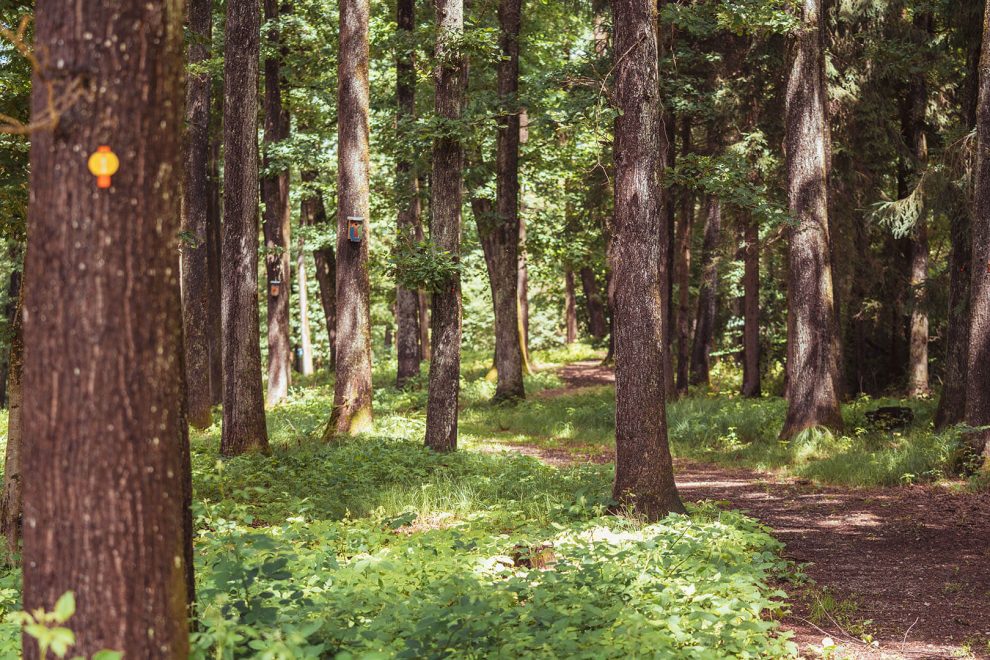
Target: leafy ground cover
(376, 547)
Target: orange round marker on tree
(103, 163)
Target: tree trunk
(445, 207)
(305, 340)
(917, 141)
(275, 195)
(704, 326)
(812, 360)
(751, 308)
(106, 508)
(195, 223)
(213, 240)
(406, 301)
(352, 411)
(12, 502)
(10, 313)
(570, 308)
(243, 402)
(523, 287)
(683, 273)
(644, 475)
(313, 213)
(978, 369)
(668, 153)
(597, 324)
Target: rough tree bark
(406, 301)
(275, 195)
(751, 307)
(918, 143)
(106, 507)
(214, 212)
(352, 411)
(243, 401)
(812, 360)
(523, 287)
(445, 207)
(313, 213)
(570, 308)
(978, 368)
(704, 325)
(500, 232)
(12, 501)
(305, 340)
(644, 476)
(597, 323)
(682, 274)
(195, 207)
(9, 313)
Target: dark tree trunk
(407, 301)
(570, 308)
(10, 312)
(243, 401)
(597, 324)
(314, 213)
(978, 369)
(352, 412)
(445, 207)
(213, 240)
(644, 476)
(12, 502)
(812, 357)
(751, 307)
(275, 195)
(106, 508)
(704, 325)
(668, 154)
(501, 231)
(683, 273)
(195, 222)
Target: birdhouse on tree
(274, 288)
(103, 164)
(355, 225)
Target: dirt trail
(914, 561)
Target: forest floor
(892, 572)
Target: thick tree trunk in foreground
(570, 308)
(597, 323)
(314, 213)
(448, 165)
(275, 195)
(243, 401)
(195, 208)
(682, 274)
(352, 411)
(644, 476)
(12, 501)
(500, 231)
(105, 507)
(704, 325)
(978, 369)
(751, 308)
(407, 302)
(812, 358)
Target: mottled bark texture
(305, 339)
(682, 274)
(213, 241)
(812, 339)
(704, 325)
(352, 412)
(523, 287)
(314, 213)
(597, 323)
(12, 501)
(978, 369)
(275, 195)
(105, 507)
(407, 183)
(570, 308)
(751, 307)
(195, 207)
(644, 476)
(243, 400)
(445, 208)
(500, 231)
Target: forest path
(912, 561)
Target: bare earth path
(913, 560)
